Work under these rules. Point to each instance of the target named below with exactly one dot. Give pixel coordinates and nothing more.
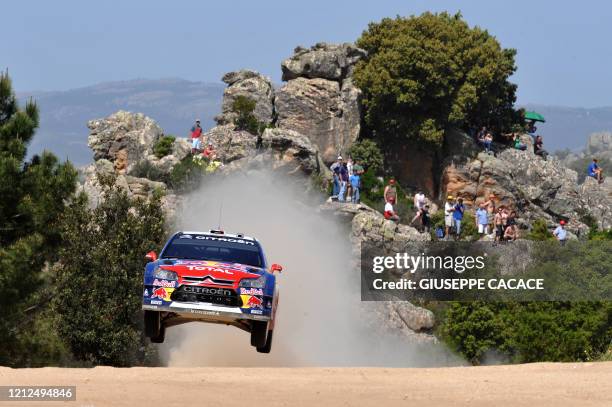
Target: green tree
(424, 74)
(244, 107)
(99, 276)
(32, 196)
(368, 154)
(163, 147)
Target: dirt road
(542, 384)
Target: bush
(368, 154)
(539, 231)
(425, 74)
(163, 147)
(187, 174)
(144, 169)
(246, 120)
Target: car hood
(199, 272)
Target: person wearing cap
(449, 208)
(390, 212)
(196, 133)
(209, 152)
(390, 191)
(595, 171)
(482, 219)
(560, 233)
(335, 169)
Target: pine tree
(32, 196)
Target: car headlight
(253, 282)
(165, 274)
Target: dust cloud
(321, 320)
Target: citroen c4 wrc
(213, 277)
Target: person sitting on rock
(538, 148)
(511, 233)
(390, 212)
(390, 191)
(196, 133)
(419, 204)
(209, 152)
(518, 144)
(595, 171)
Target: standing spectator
(349, 166)
(425, 219)
(490, 207)
(482, 219)
(538, 148)
(449, 208)
(595, 171)
(335, 169)
(499, 224)
(390, 191)
(357, 168)
(458, 216)
(488, 140)
(560, 233)
(419, 204)
(196, 133)
(355, 181)
(390, 212)
(343, 172)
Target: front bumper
(198, 310)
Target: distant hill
(173, 103)
(570, 127)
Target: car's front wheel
(160, 337)
(268, 346)
(259, 333)
(152, 324)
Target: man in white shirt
(419, 204)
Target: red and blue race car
(213, 277)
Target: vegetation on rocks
(163, 147)
(368, 154)
(246, 120)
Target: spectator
(482, 219)
(560, 233)
(510, 233)
(357, 168)
(419, 204)
(335, 169)
(449, 208)
(490, 207)
(196, 133)
(390, 212)
(512, 219)
(349, 166)
(538, 148)
(499, 225)
(488, 140)
(458, 216)
(595, 171)
(425, 219)
(355, 181)
(518, 144)
(390, 191)
(481, 134)
(343, 172)
(209, 152)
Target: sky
(564, 52)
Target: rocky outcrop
(600, 145)
(597, 201)
(320, 100)
(327, 61)
(252, 85)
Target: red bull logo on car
(164, 283)
(251, 291)
(162, 293)
(251, 301)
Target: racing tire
(268, 346)
(259, 333)
(160, 337)
(152, 324)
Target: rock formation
(252, 85)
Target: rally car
(213, 277)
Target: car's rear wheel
(268, 346)
(160, 337)
(259, 333)
(152, 323)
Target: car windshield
(214, 248)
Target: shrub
(163, 147)
(144, 169)
(539, 231)
(246, 120)
(368, 154)
(187, 174)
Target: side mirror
(151, 256)
(276, 267)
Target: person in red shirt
(209, 152)
(196, 133)
(389, 211)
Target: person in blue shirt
(458, 216)
(595, 171)
(355, 181)
(482, 219)
(560, 233)
(335, 169)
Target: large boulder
(252, 85)
(600, 145)
(597, 201)
(327, 112)
(327, 61)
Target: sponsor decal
(256, 311)
(164, 283)
(251, 301)
(209, 269)
(155, 302)
(146, 293)
(208, 290)
(162, 293)
(199, 311)
(218, 239)
(251, 291)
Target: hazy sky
(564, 52)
